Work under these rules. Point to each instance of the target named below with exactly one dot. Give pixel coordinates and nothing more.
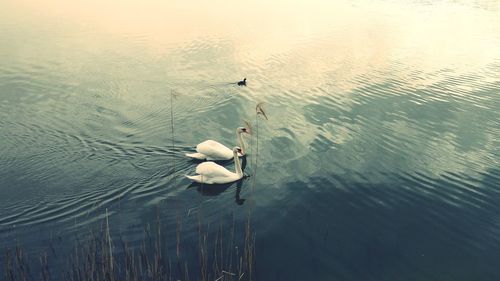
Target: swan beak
(245, 130)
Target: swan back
(214, 150)
(211, 172)
(212, 169)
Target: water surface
(379, 161)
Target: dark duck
(242, 82)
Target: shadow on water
(217, 189)
(366, 233)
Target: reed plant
(96, 256)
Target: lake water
(380, 159)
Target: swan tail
(196, 155)
(196, 178)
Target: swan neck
(241, 142)
(237, 164)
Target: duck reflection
(217, 189)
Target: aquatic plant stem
(109, 242)
(172, 126)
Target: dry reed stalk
(45, 274)
(178, 237)
(108, 237)
(9, 267)
(260, 110)
(91, 258)
(172, 94)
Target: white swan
(212, 173)
(212, 150)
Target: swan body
(213, 150)
(213, 173)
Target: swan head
(237, 151)
(240, 130)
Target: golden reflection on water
(344, 37)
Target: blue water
(379, 161)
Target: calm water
(380, 159)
